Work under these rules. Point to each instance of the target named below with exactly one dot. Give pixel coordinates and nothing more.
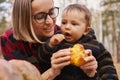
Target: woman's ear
(86, 30)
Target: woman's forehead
(41, 5)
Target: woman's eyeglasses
(41, 16)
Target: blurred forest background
(105, 20)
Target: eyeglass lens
(41, 17)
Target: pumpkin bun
(77, 55)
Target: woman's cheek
(54, 21)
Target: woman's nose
(48, 20)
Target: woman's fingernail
(67, 52)
(85, 59)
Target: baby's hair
(80, 8)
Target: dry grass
(117, 65)
(1, 56)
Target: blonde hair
(22, 21)
(80, 8)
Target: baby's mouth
(67, 35)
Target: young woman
(33, 22)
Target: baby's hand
(56, 39)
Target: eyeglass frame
(46, 14)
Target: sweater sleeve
(7, 45)
(12, 48)
(46, 51)
(106, 69)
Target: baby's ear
(86, 30)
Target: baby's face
(73, 25)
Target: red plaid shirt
(17, 49)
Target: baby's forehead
(74, 12)
(74, 15)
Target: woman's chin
(49, 34)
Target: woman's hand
(59, 60)
(91, 64)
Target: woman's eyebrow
(42, 12)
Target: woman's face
(44, 28)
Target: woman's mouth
(48, 29)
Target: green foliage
(105, 15)
(2, 25)
(106, 2)
(3, 21)
(108, 12)
(2, 9)
(2, 1)
(4, 6)
(106, 32)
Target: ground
(117, 65)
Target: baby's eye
(74, 24)
(63, 23)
